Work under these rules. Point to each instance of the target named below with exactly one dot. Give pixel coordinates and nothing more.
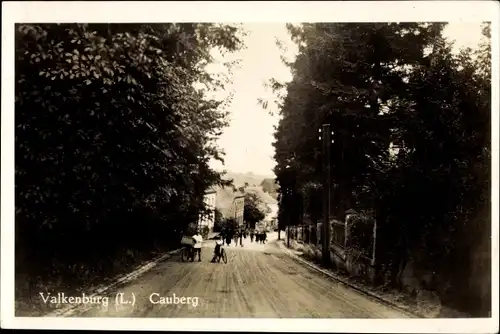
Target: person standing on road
(241, 237)
(197, 246)
(235, 237)
(251, 236)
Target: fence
(338, 235)
(357, 234)
(362, 235)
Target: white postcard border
(300, 11)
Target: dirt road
(258, 281)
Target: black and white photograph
(167, 167)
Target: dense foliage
(114, 134)
(218, 220)
(411, 131)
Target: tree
(253, 213)
(218, 221)
(337, 77)
(410, 124)
(346, 75)
(111, 131)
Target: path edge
(281, 245)
(118, 280)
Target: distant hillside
(265, 197)
(252, 179)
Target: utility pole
(280, 216)
(288, 201)
(326, 143)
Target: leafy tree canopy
(410, 130)
(113, 119)
(253, 212)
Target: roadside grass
(52, 276)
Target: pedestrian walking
(241, 238)
(251, 236)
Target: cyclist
(218, 247)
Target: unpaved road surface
(258, 281)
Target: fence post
(374, 241)
(288, 236)
(346, 230)
(319, 233)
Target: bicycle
(222, 255)
(187, 253)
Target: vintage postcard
(256, 166)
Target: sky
(247, 142)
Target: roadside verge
(119, 280)
(401, 308)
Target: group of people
(228, 236)
(260, 237)
(233, 235)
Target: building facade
(238, 209)
(208, 219)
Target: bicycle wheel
(224, 256)
(219, 257)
